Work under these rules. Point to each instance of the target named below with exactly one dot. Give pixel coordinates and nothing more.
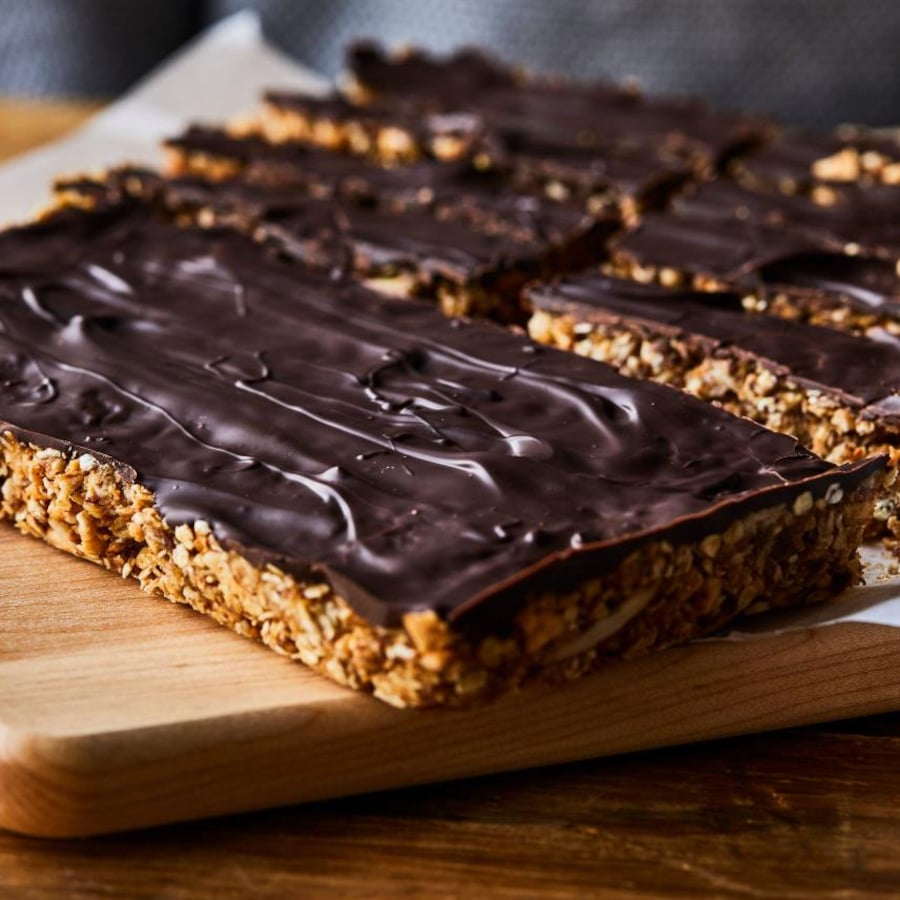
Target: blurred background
(809, 62)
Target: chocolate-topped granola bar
(471, 250)
(562, 161)
(550, 112)
(798, 163)
(838, 394)
(429, 509)
(798, 273)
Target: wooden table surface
(807, 813)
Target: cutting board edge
(58, 785)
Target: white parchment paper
(222, 74)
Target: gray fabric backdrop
(808, 61)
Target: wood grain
(804, 815)
(116, 707)
(24, 124)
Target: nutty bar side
(389, 137)
(790, 377)
(774, 557)
(807, 163)
(791, 273)
(470, 252)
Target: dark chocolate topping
(543, 113)
(787, 163)
(384, 243)
(490, 199)
(866, 217)
(748, 254)
(469, 71)
(862, 372)
(864, 282)
(725, 247)
(420, 462)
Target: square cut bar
(794, 273)
(428, 509)
(470, 252)
(837, 393)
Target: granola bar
(471, 252)
(796, 273)
(430, 510)
(562, 161)
(809, 163)
(550, 112)
(838, 394)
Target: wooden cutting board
(119, 710)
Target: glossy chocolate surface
(864, 373)
(760, 255)
(536, 115)
(478, 231)
(865, 218)
(565, 147)
(419, 462)
(788, 163)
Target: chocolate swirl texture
(419, 462)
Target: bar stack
(314, 378)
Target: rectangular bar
(804, 162)
(791, 272)
(560, 159)
(216, 154)
(431, 510)
(845, 218)
(549, 111)
(471, 252)
(838, 394)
